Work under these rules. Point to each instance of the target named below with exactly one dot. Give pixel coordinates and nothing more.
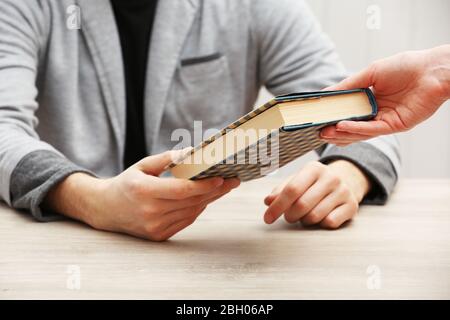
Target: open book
(273, 135)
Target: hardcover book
(273, 135)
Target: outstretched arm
(409, 88)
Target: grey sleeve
(23, 31)
(293, 53)
(34, 176)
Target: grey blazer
(62, 97)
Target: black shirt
(134, 19)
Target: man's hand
(409, 88)
(327, 195)
(138, 201)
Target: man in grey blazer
(65, 110)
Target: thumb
(362, 79)
(158, 163)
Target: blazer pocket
(202, 90)
(196, 60)
(198, 69)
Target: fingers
(362, 79)
(325, 207)
(177, 189)
(273, 195)
(180, 225)
(186, 213)
(333, 132)
(338, 216)
(346, 132)
(156, 164)
(321, 198)
(292, 191)
(366, 128)
(310, 199)
(181, 219)
(226, 187)
(162, 229)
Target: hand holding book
(409, 88)
(137, 201)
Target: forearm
(33, 178)
(75, 197)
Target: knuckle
(354, 205)
(150, 211)
(331, 223)
(333, 180)
(290, 190)
(154, 229)
(135, 187)
(301, 205)
(344, 192)
(194, 211)
(315, 166)
(181, 191)
(314, 217)
(201, 208)
(158, 237)
(189, 187)
(191, 221)
(289, 217)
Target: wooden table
(401, 250)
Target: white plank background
(404, 25)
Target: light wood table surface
(401, 250)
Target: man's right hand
(137, 201)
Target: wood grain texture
(230, 253)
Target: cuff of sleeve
(34, 176)
(373, 163)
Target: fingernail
(268, 200)
(268, 219)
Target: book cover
(272, 150)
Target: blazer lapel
(99, 29)
(171, 26)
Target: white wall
(404, 25)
